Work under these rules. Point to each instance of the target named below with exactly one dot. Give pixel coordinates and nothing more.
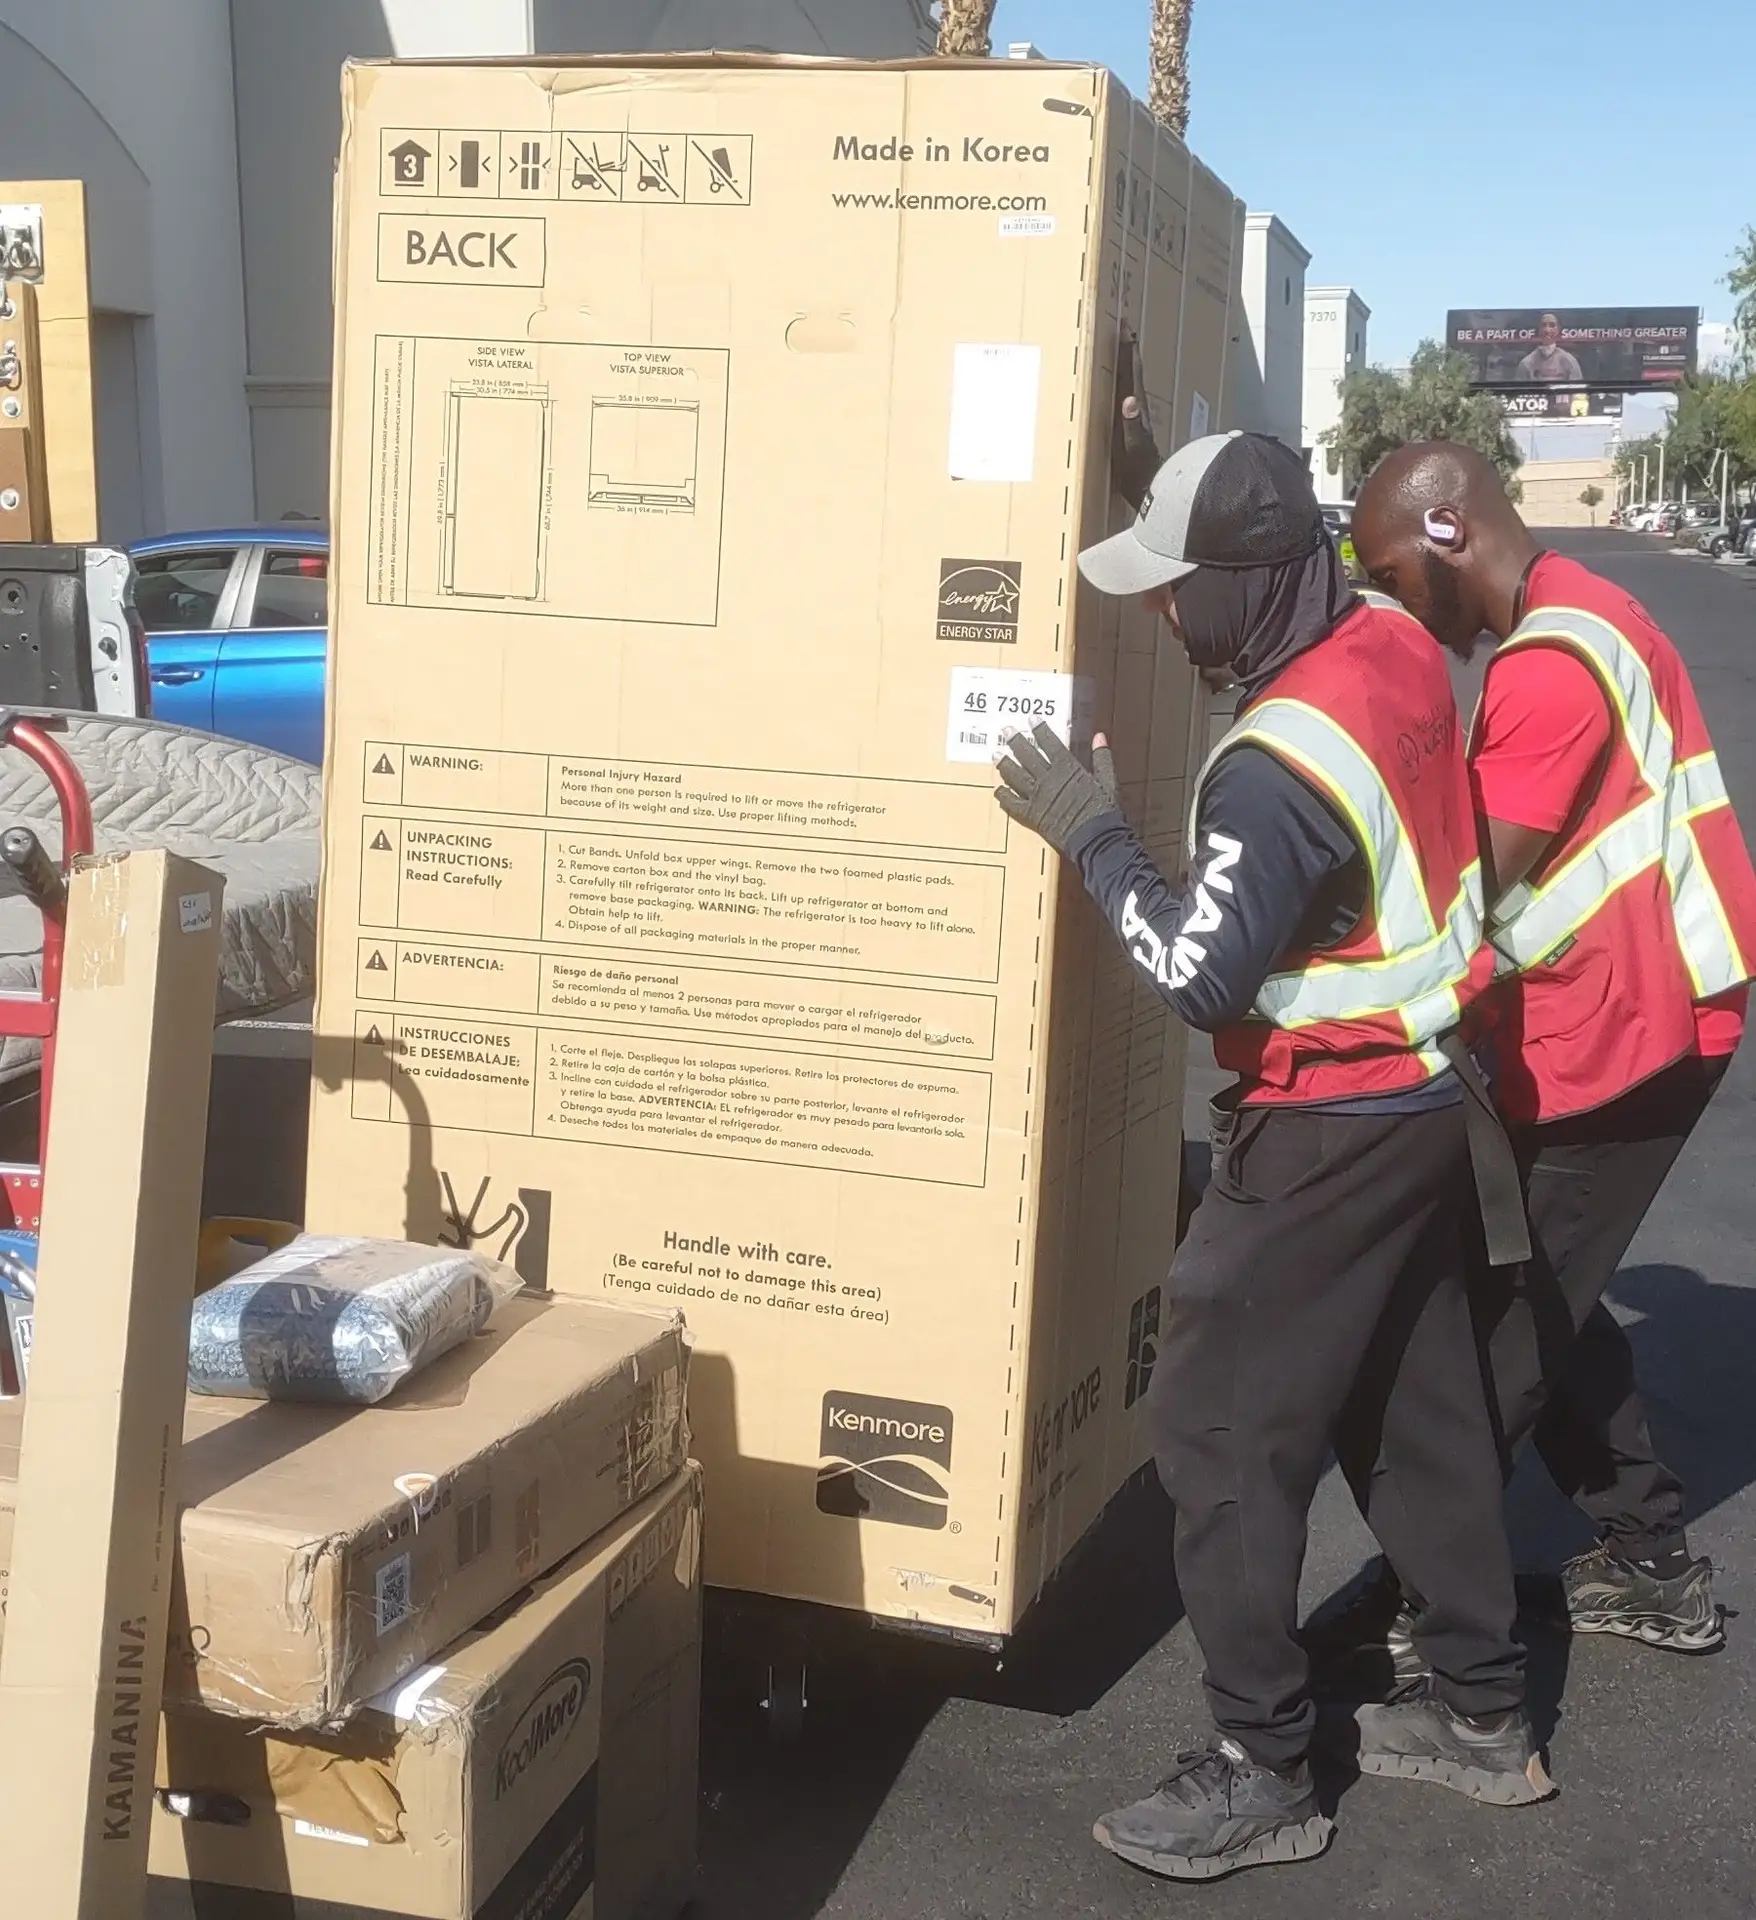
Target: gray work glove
(1048, 789)
(1134, 455)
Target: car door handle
(176, 676)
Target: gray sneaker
(1495, 1759)
(1216, 1812)
(1606, 1594)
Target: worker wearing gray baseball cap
(1328, 935)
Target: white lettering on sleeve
(1175, 967)
(1226, 851)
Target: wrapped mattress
(247, 813)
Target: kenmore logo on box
(877, 1460)
(461, 249)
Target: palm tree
(1168, 96)
(963, 28)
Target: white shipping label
(395, 1602)
(309, 1830)
(195, 912)
(989, 702)
(994, 412)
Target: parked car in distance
(237, 632)
(1715, 539)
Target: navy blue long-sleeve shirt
(1274, 869)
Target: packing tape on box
(97, 925)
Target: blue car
(236, 632)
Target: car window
(292, 589)
(180, 592)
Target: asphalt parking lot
(935, 1788)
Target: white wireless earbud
(1440, 532)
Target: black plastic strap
(1499, 1190)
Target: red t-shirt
(1543, 727)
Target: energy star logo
(978, 600)
(884, 1460)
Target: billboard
(1560, 403)
(1622, 347)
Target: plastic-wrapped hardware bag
(340, 1320)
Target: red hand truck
(33, 1016)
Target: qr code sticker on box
(395, 1599)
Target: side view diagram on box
(484, 447)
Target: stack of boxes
(439, 1649)
(715, 438)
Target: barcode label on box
(395, 1601)
(987, 703)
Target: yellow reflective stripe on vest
(1530, 923)
(1420, 984)
(1624, 676)
(1424, 962)
(1697, 786)
(1710, 948)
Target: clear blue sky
(1479, 155)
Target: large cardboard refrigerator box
(542, 1769)
(325, 1552)
(714, 439)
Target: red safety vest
(1646, 901)
(1368, 720)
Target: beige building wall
(1552, 489)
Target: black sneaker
(1365, 1633)
(1606, 1594)
(1215, 1813)
(1495, 1759)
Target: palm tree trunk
(963, 28)
(1169, 94)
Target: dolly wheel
(784, 1702)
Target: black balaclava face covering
(1255, 619)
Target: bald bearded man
(1622, 904)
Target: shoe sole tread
(1492, 1787)
(1652, 1632)
(1283, 1847)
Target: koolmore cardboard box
(325, 1552)
(543, 1768)
(714, 443)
